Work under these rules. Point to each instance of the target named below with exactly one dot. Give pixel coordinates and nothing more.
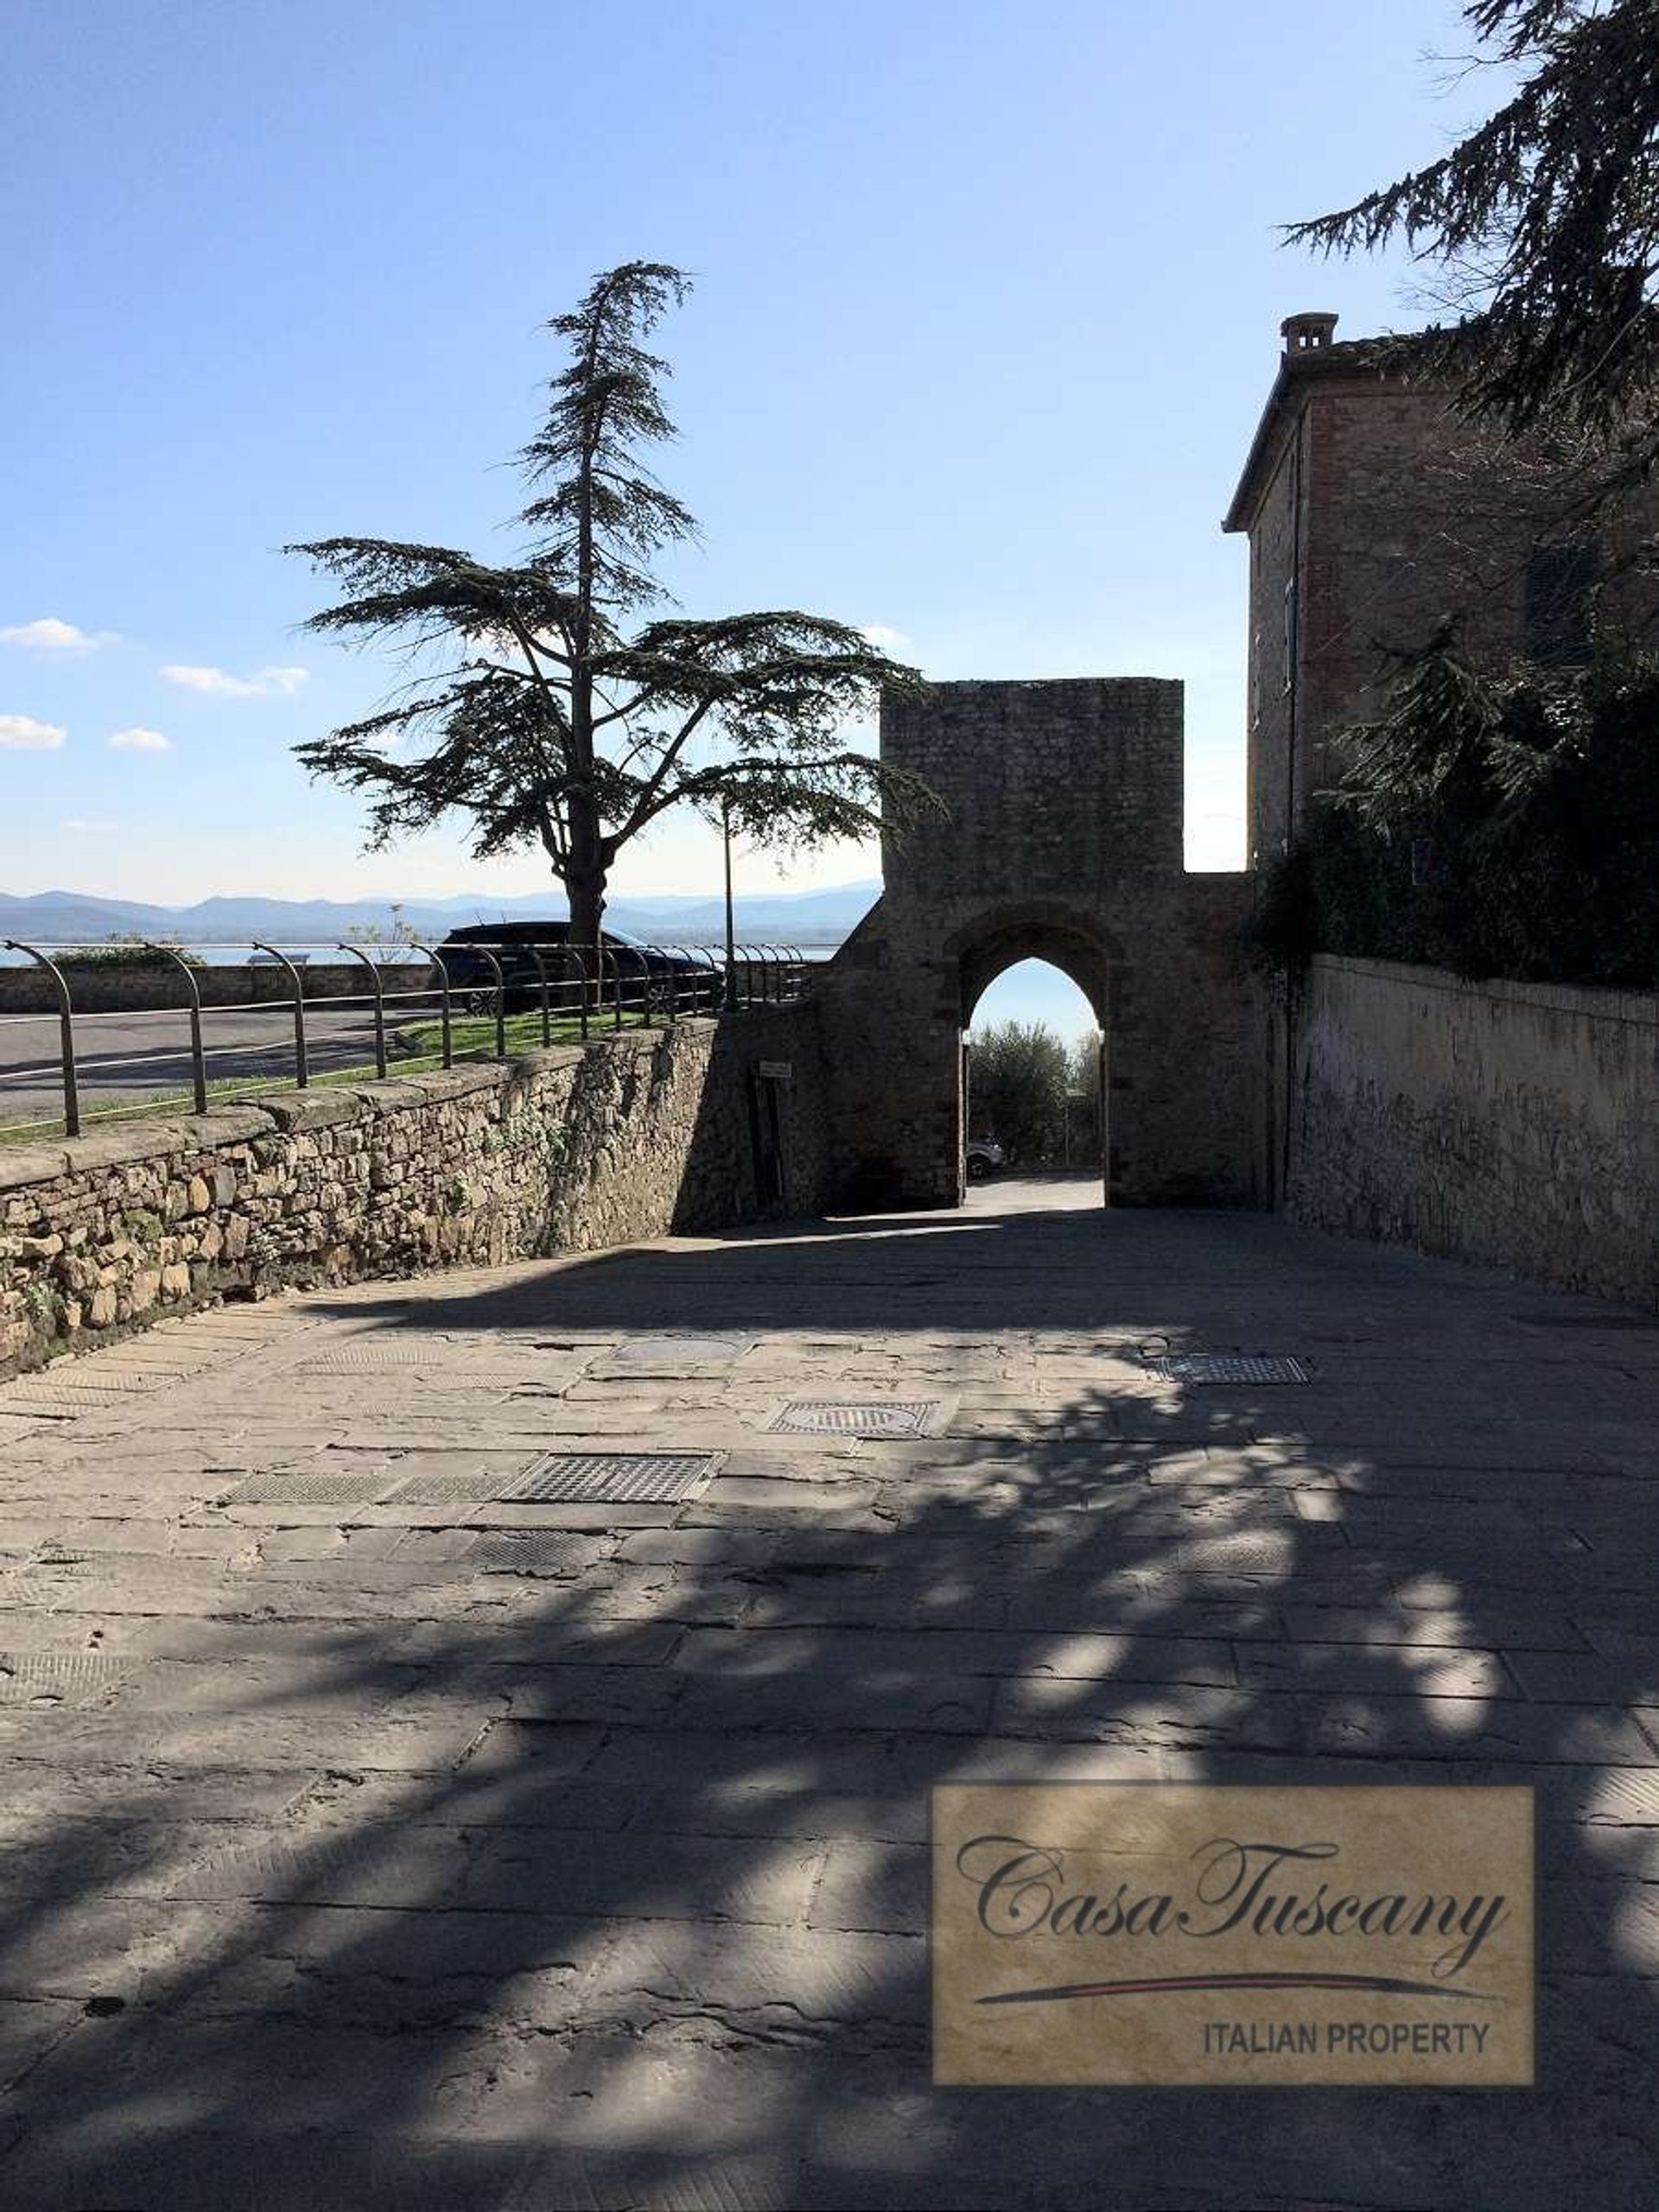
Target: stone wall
(629, 1136)
(1514, 1124)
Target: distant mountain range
(73, 918)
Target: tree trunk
(584, 884)
(584, 868)
(587, 897)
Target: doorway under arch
(1047, 1093)
(1033, 1075)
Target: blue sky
(987, 306)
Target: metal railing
(481, 999)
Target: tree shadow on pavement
(591, 1871)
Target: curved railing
(191, 1021)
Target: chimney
(1306, 334)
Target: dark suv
(644, 973)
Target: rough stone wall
(1513, 1124)
(1063, 842)
(1212, 1084)
(571, 1149)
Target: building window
(1559, 592)
(1255, 680)
(1290, 635)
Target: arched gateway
(1063, 842)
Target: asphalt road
(126, 1057)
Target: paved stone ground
(364, 1856)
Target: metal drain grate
(59, 1399)
(855, 1417)
(375, 1352)
(449, 1490)
(614, 1478)
(1200, 1367)
(1587, 1320)
(309, 1490)
(535, 1552)
(122, 1382)
(66, 1677)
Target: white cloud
(140, 741)
(49, 635)
(214, 681)
(884, 639)
(217, 683)
(75, 824)
(23, 733)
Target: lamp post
(731, 926)
(1080, 1099)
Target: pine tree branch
(520, 751)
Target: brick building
(1373, 510)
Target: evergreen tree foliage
(1544, 225)
(559, 702)
(1018, 1076)
(1495, 825)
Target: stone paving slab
(359, 1855)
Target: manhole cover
(1228, 1367)
(855, 1417)
(673, 1355)
(448, 1490)
(613, 1478)
(309, 1490)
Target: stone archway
(1062, 841)
(1038, 930)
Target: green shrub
(121, 953)
(1503, 826)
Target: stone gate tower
(1062, 843)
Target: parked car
(985, 1158)
(641, 971)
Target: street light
(1080, 1098)
(731, 924)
